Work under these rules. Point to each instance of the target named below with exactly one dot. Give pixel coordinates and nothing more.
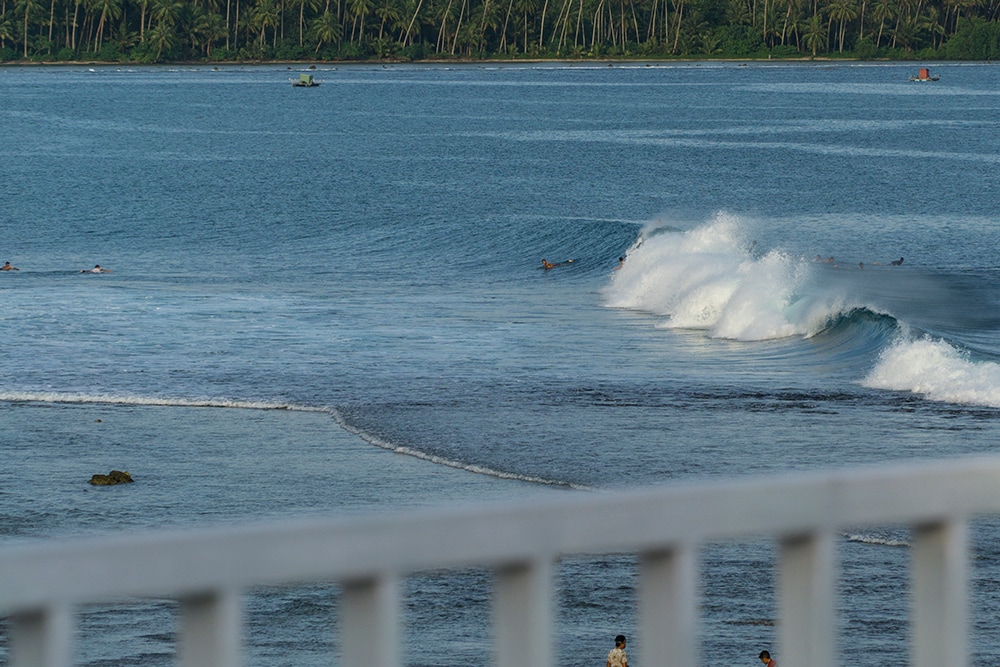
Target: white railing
(42, 584)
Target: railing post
(210, 630)
(523, 615)
(42, 639)
(668, 607)
(806, 622)
(939, 581)
(370, 622)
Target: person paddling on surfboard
(97, 269)
(8, 267)
(549, 265)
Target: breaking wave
(714, 278)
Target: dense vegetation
(146, 31)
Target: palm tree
(792, 10)
(264, 16)
(5, 30)
(882, 10)
(710, 43)
(541, 24)
(678, 15)
(928, 22)
(143, 7)
(842, 11)
(525, 10)
(389, 12)
(109, 9)
(563, 20)
(27, 8)
(74, 24)
(167, 11)
(905, 33)
(359, 9)
(123, 37)
(443, 27)
(207, 27)
(458, 27)
(815, 34)
(326, 29)
(313, 5)
(959, 5)
(162, 38)
(409, 27)
(903, 14)
(490, 21)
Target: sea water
(331, 300)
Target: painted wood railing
(42, 585)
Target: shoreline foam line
(97, 399)
(82, 399)
(875, 540)
(440, 460)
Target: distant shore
(609, 62)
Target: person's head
(620, 640)
(764, 656)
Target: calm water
(368, 255)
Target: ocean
(331, 300)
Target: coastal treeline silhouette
(150, 31)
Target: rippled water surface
(332, 300)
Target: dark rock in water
(113, 477)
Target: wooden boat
(305, 81)
(924, 75)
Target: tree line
(150, 31)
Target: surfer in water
(896, 262)
(97, 269)
(549, 265)
(8, 267)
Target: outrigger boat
(924, 75)
(305, 81)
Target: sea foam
(709, 278)
(938, 371)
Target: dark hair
(764, 654)
(620, 639)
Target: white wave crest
(709, 279)
(876, 540)
(112, 399)
(937, 371)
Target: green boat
(305, 81)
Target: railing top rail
(181, 563)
